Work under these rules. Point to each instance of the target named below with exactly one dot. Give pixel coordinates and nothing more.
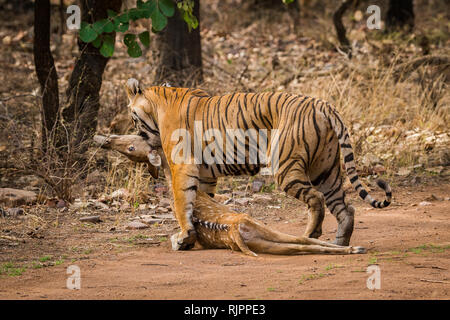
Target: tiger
(217, 226)
(310, 138)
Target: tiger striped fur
(311, 135)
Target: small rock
(136, 225)
(16, 197)
(7, 40)
(164, 202)
(100, 205)
(14, 212)
(150, 220)
(160, 188)
(403, 172)
(261, 198)
(257, 185)
(434, 197)
(92, 219)
(120, 194)
(165, 216)
(425, 203)
(61, 204)
(243, 201)
(162, 210)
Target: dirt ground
(409, 241)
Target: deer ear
(154, 163)
(132, 88)
(154, 158)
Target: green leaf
(129, 39)
(140, 4)
(149, 8)
(123, 27)
(135, 14)
(145, 38)
(159, 21)
(109, 26)
(98, 26)
(97, 42)
(167, 7)
(134, 50)
(191, 20)
(124, 17)
(107, 49)
(87, 33)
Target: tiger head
(143, 105)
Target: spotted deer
(218, 226)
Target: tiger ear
(132, 87)
(166, 84)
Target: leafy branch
(100, 33)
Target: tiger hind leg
(344, 213)
(297, 184)
(326, 176)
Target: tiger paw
(183, 240)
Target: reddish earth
(398, 239)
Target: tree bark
(45, 70)
(400, 15)
(83, 94)
(180, 52)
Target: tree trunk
(340, 29)
(400, 15)
(83, 94)
(45, 70)
(180, 60)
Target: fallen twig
(434, 281)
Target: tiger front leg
(184, 185)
